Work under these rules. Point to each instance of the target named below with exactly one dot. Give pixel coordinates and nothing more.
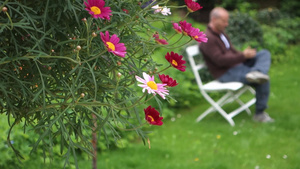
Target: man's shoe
(263, 117)
(257, 77)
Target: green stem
(148, 99)
(130, 128)
(3, 4)
(47, 56)
(92, 58)
(173, 35)
(177, 6)
(177, 40)
(136, 103)
(164, 69)
(176, 47)
(185, 16)
(11, 23)
(87, 37)
(18, 154)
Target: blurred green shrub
(244, 29)
(290, 25)
(278, 37)
(291, 7)
(268, 16)
(274, 42)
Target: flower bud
(82, 95)
(83, 19)
(94, 34)
(126, 11)
(4, 9)
(119, 63)
(119, 74)
(78, 47)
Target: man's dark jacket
(219, 59)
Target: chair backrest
(193, 51)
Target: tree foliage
(58, 77)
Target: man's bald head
(219, 19)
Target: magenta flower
(152, 87)
(112, 44)
(192, 6)
(186, 27)
(97, 10)
(152, 116)
(198, 36)
(160, 41)
(166, 79)
(177, 28)
(194, 33)
(176, 61)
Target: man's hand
(249, 53)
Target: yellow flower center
(152, 85)
(152, 119)
(196, 37)
(96, 10)
(111, 46)
(174, 63)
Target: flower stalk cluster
(97, 10)
(89, 65)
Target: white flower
(166, 11)
(163, 10)
(155, 7)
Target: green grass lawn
(214, 144)
(210, 144)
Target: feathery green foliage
(57, 76)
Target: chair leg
(242, 104)
(216, 106)
(209, 110)
(221, 101)
(242, 108)
(227, 98)
(225, 115)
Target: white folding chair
(232, 90)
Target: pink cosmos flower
(152, 116)
(186, 27)
(176, 60)
(166, 79)
(97, 10)
(152, 87)
(177, 28)
(198, 36)
(192, 6)
(112, 44)
(194, 33)
(160, 41)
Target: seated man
(227, 64)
